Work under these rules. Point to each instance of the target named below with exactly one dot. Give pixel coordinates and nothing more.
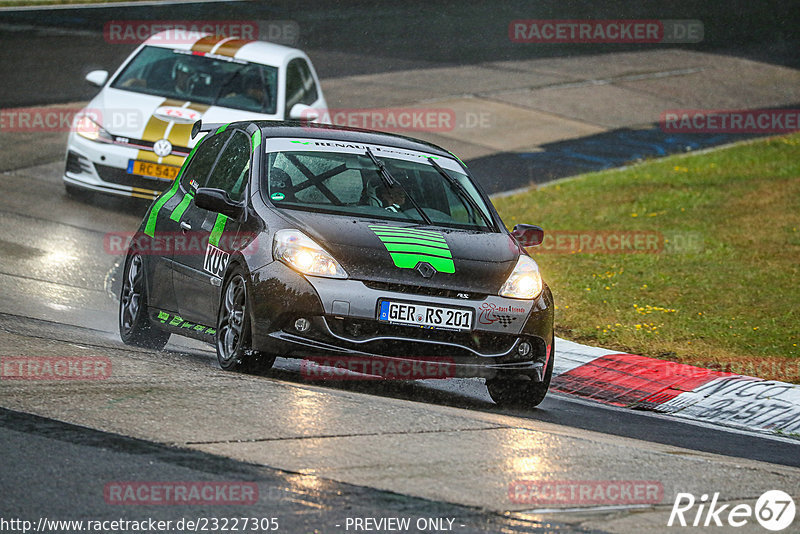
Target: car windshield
(207, 79)
(351, 184)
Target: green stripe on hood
(408, 247)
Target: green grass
(725, 288)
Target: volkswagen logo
(162, 148)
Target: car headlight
(87, 127)
(524, 282)
(301, 253)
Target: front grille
(115, 175)
(148, 145)
(362, 329)
(77, 164)
(423, 290)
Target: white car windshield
(212, 80)
(352, 184)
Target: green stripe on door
(177, 213)
(150, 228)
(219, 227)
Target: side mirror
(98, 78)
(528, 235)
(218, 201)
(304, 112)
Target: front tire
(233, 340)
(134, 326)
(517, 393)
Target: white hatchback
(132, 138)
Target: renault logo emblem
(162, 148)
(425, 269)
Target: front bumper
(103, 167)
(344, 326)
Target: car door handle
(185, 226)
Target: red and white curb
(637, 382)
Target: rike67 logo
(774, 510)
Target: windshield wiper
(390, 181)
(386, 176)
(463, 193)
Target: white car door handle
(185, 226)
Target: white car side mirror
(303, 112)
(97, 78)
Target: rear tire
(509, 392)
(233, 339)
(134, 326)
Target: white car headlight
(87, 127)
(524, 282)
(301, 253)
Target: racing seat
(369, 195)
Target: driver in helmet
(187, 78)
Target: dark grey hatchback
(303, 241)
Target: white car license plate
(413, 314)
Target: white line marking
(585, 509)
(110, 5)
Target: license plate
(153, 170)
(439, 317)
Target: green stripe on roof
(219, 227)
(256, 139)
(404, 247)
(459, 159)
(222, 128)
(177, 213)
(409, 261)
(189, 157)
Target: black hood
(481, 261)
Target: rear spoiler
(198, 127)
